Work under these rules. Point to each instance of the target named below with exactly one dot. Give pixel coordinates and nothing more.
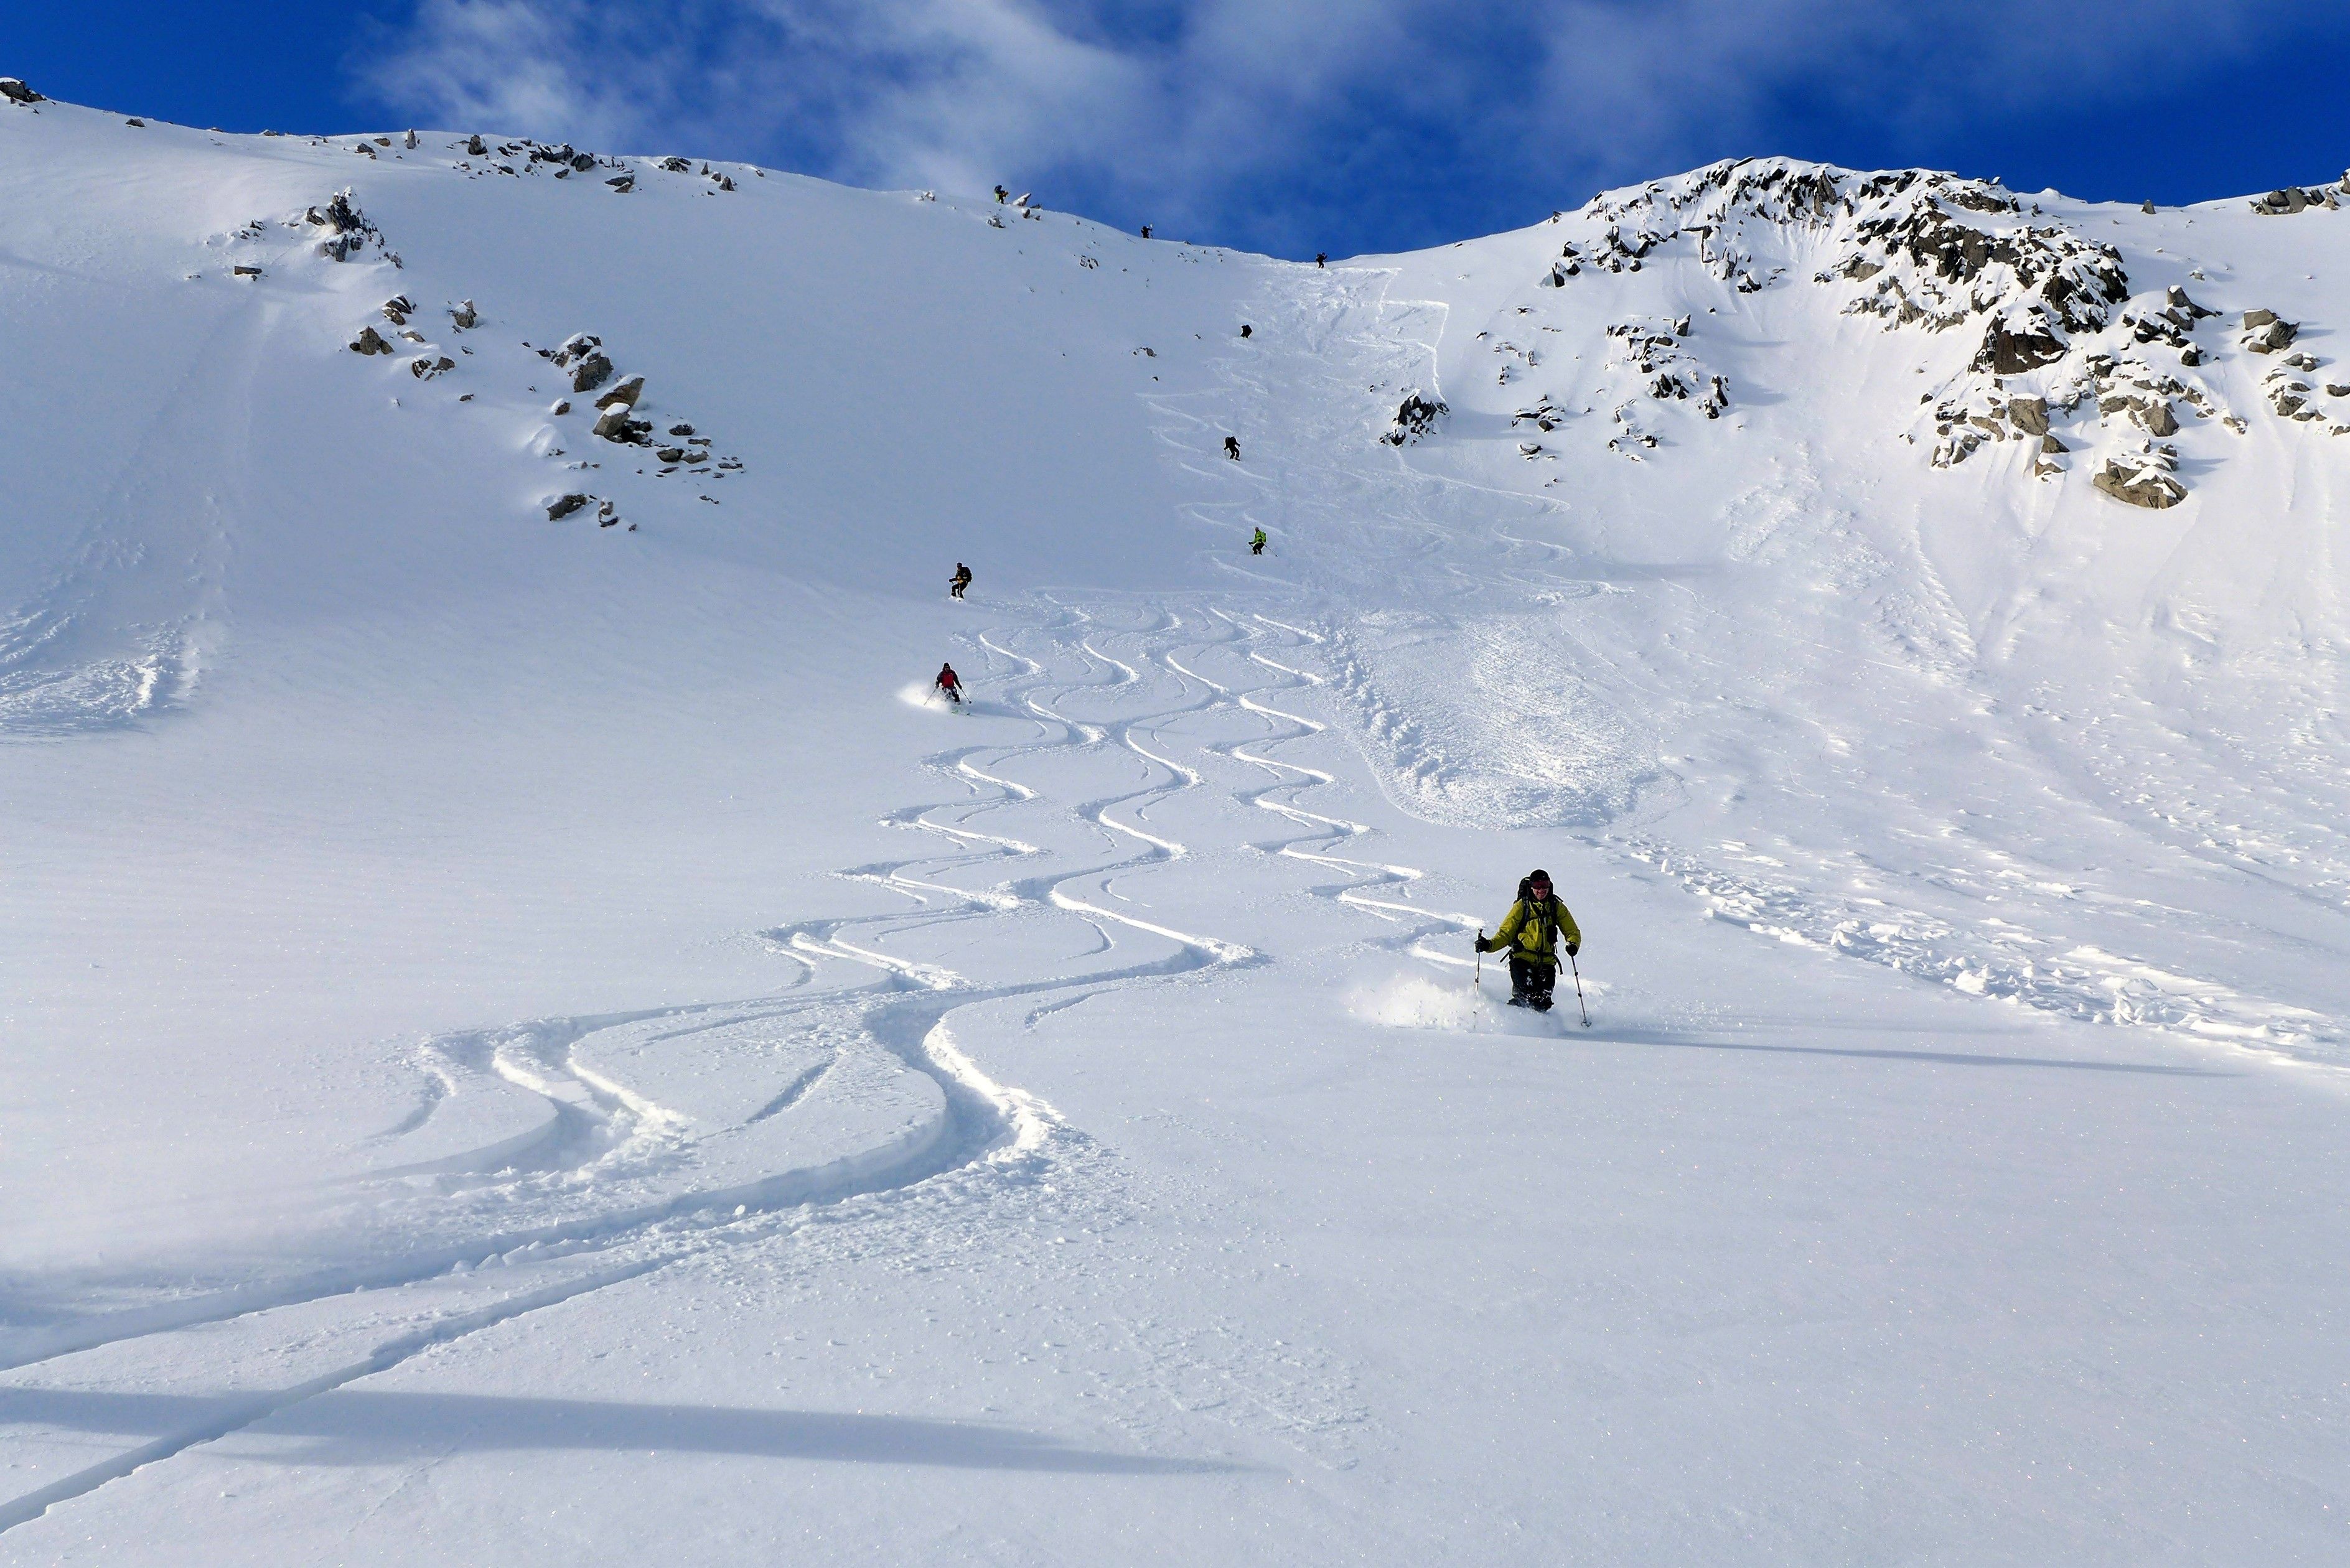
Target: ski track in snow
(545, 1162)
(552, 1158)
(1600, 780)
(120, 630)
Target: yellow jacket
(1531, 930)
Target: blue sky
(1289, 125)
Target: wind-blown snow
(533, 1034)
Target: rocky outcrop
(2264, 333)
(1656, 350)
(2297, 198)
(2009, 351)
(2132, 388)
(463, 316)
(2054, 330)
(563, 506)
(16, 92)
(1962, 428)
(2170, 322)
(564, 160)
(584, 356)
(1415, 417)
(1543, 416)
(370, 341)
(2142, 479)
(424, 367)
(349, 231)
(614, 425)
(1929, 250)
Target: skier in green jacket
(1256, 543)
(1532, 934)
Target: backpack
(1544, 918)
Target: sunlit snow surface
(528, 1038)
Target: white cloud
(1192, 110)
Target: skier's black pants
(1530, 982)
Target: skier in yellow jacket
(1532, 934)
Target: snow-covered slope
(526, 1033)
(1912, 624)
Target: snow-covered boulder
(2140, 481)
(2266, 332)
(1414, 418)
(584, 356)
(349, 232)
(614, 425)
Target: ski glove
(1485, 947)
(1573, 949)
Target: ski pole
(1578, 992)
(1481, 955)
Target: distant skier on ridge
(960, 581)
(1530, 933)
(949, 683)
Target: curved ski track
(602, 1181)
